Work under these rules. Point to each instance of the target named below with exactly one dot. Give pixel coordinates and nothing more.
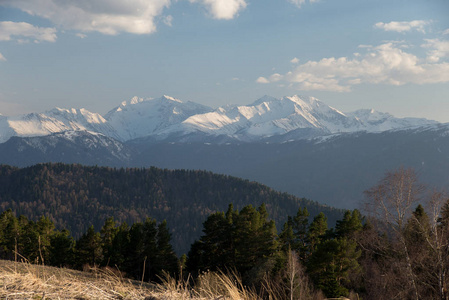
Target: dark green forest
(397, 249)
(74, 197)
(399, 253)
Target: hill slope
(75, 197)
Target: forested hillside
(75, 197)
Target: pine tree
(107, 233)
(316, 232)
(61, 249)
(10, 244)
(331, 264)
(150, 249)
(88, 248)
(134, 256)
(166, 257)
(120, 246)
(244, 240)
(351, 223)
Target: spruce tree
(88, 248)
(166, 257)
(61, 249)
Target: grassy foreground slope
(30, 281)
(27, 281)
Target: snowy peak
(264, 99)
(55, 120)
(144, 117)
(370, 115)
(270, 116)
(375, 121)
(82, 115)
(167, 118)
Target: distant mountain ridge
(293, 144)
(170, 119)
(333, 170)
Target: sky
(391, 56)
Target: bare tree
(292, 283)
(391, 201)
(298, 284)
(437, 239)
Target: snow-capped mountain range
(164, 118)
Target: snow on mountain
(75, 146)
(55, 120)
(170, 119)
(265, 117)
(375, 121)
(269, 116)
(144, 117)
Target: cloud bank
(21, 30)
(114, 16)
(438, 49)
(418, 25)
(105, 16)
(387, 63)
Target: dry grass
(28, 281)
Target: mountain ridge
(333, 169)
(167, 118)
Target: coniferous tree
(61, 249)
(120, 246)
(300, 225)
(150, 250)
(88, 248)
(135, 251)
(351, 223)
(316, 233)
(287, 237)
(12, 238)
(166, 257)
(244, 240)
(107, 233)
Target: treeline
(397, 251)
(303, 261)
(141, 251)
(74, 196)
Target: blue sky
(392, 56)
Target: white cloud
(222, 9)
(384, 64)
(298, 3)
(9, 29)
(168, 20)
(115, 16)
(438, 49)
(2, 58)
(417, 25)
(275, 77)
(446, 31)
(262, 80)
(295, 60)
(105, 16)
(81, 35)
